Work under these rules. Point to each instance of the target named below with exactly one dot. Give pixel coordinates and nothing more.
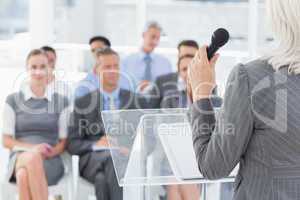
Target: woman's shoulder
(256, 69)
(258, 64)
(13, 98)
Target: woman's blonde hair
(284, 16)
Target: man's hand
(144, 84)
(103, 142)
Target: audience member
(97, 166)
(91, 82)
(187, 47)
(173, 95)
(171, 92)
(35, 131)
(141, 69)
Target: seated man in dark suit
(87, 130)
(172, 87)
(171, 92)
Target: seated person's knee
(29, 159)
(21, 175)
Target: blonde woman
(35, 130)
(260, 120)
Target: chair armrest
(67, 161)
(75, 163)
(75, 170)
(4, 157)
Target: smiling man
(87, 132)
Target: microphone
(219, 38)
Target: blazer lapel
(175, 100)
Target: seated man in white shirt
(91, 82)
(141, 69)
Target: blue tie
(148, 71)
(112, 105)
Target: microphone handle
(211, 50)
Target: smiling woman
(34, 130)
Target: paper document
(104, 148)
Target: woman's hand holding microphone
(201, 75)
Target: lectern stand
(139, 155)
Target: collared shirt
(9, 115)
(115, 95)
(183, 100)
(133, 69)
(181, 85)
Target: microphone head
(220, 37)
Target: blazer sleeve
(77, 142)
(221, 141)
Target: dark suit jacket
(167, 95)
(166, 91)
(86, 125)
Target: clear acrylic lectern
(150, 149)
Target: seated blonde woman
(35, 131)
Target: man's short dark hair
(189, 43)
(100, 39)
(49, 49)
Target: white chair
(83, 189)
(64, 188)
(87, 190)
(3, 168)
